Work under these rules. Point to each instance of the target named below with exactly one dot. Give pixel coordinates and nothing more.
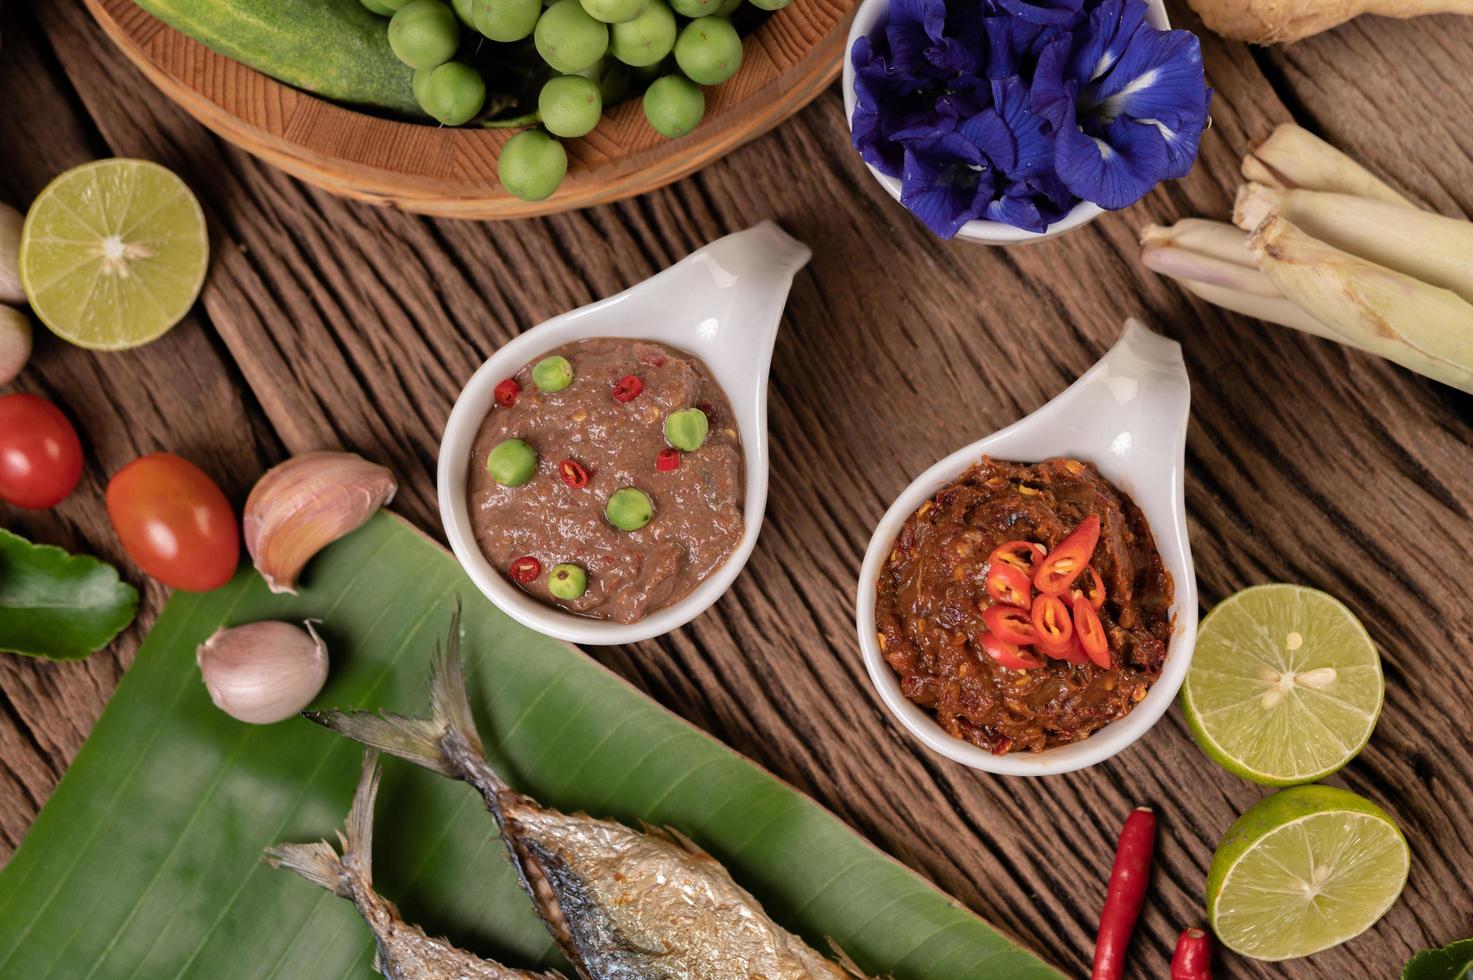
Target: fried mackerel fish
(404, 951)
(622, 905)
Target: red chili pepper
(1022, 555)
(1128, 880)
(1051, 623)
(627, 388)
(1070, 652)
(1091, 632)
(1010, 623)
(573, 474)
(1193, 959)
(667, 460)
(506, 392)
(525, 569)
(1008, 586)
(1092, 587)
(1007, 654)
(1067, 561)
(654, 360)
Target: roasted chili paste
(932, 598)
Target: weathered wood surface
(327, 323)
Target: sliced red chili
(1067, 562)
(1011, 623)
(1008, 585)
(667, 460)
(654, 360)
(573, 474)
(1022, 555)
(525, 569)
(1091, 632)
(1091, 586)
(1070, 652)
(627, 388)
(1051, 622)
(506, 392)
(1008, 654)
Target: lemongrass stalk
(1269, 309)
(1215, 238)
(1185, 263)
(1433, 248)
(1424, 328)
(1294, 157)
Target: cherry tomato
(1010, 623)
(1007, 654)
(1051, 623)
(174, 522)
(40, 455)
(1008, 585)
(1022, 555)
(1067, 561)
(1091, 586)
(1091, 632)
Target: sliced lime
(113, 253)
(1285, 685)
(1304, 870)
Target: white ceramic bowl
(869, 16)
(1128, 415)
(722, 303)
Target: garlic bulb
(11, 221)
(302, 505)
(15, 343)
(263, 672)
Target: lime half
(1304, 870)
(113, 253)
(1285, 685)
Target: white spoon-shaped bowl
(1128, 415)
(722, 303)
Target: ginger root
(1282, 21)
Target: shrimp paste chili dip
(608, 479)
(1025, 605)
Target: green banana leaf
(146, 861)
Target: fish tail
(445, 742)
(319, 862)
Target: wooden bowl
(429, 169)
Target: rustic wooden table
(331, 324)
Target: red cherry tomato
(1007, 585)
(40, 455)
(1007, 654)
(1091, 632)
(174, 522)
(1067, 562)
(1010, 623)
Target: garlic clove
(11, 222)
(263, 672)
(15, 343)
(302, 505)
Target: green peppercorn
(686, 429)
(552, 373)
(629, 509)
(567, 582)
(512, 463)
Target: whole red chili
(573, 474)
(506, 392)
(667, 460)
(1193, 959)
(525, 569)
(1128, 880)
(627, 388)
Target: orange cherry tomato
(1091, 633)
(174, 522)
(1011, 623)
(1008, 585)
(1067, 562)
(1051, 623)
(1008, 654)
(1022, 555)
(1091, 586)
